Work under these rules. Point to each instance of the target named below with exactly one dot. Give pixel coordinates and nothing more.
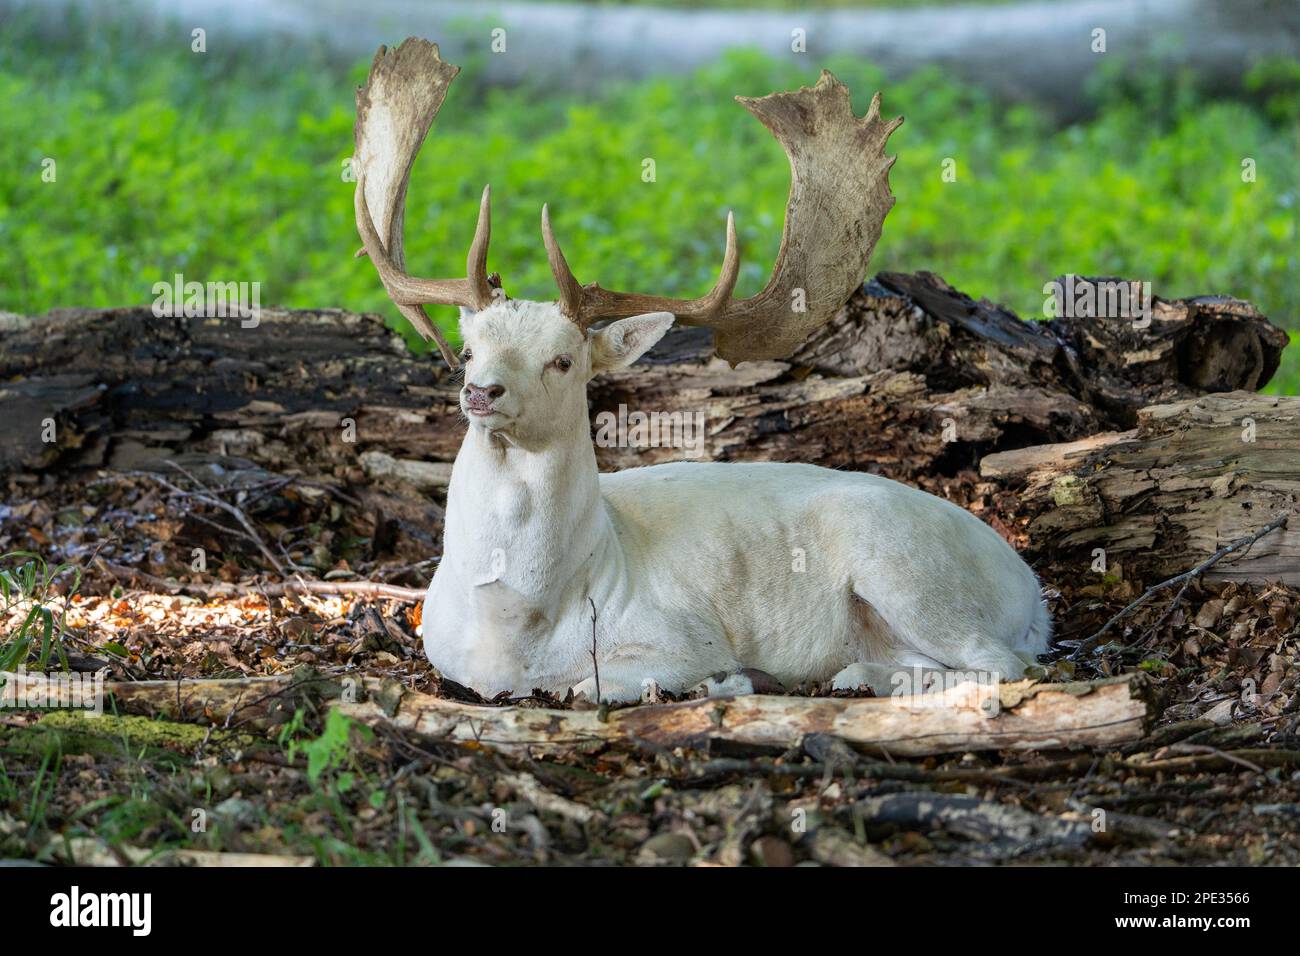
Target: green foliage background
(228, 166)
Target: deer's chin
(490, 417)
(495, 424)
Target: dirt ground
(1215, 782)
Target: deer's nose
(483, 394)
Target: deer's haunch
(690, 568)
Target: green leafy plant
(231, 166)
(332, 750)
(28, 586)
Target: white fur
(691, 567)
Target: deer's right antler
(395, 109)
(839, 197)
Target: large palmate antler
(395, 109)
(839, 197)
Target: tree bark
(1192, 477)
(1014, 716)
(1026, 717)
(910, 379)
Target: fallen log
(1101, 352)
(997, 831)
(93, 851)
(1014, 716)
(910, 378)
(1190, 479)
(233, 702)
(832, 846)
(1027, 716)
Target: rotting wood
(997, 831)
(1186, 579)
(1027, 716)
(910, 378)
(1194, 476)
(90, 851)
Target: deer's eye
(562, 362)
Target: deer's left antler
(839, 197)
(395, 109)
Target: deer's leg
(630, 675)
(727, 685)
(927, 634)
(614, 688)
(859, 674)
(891, 662)
(886, 679)
(882, 655)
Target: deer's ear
(621, 343)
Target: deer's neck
(531, 520)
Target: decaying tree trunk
(1024, 716)
(911, 378)
(1014, 716)
(1192, 477)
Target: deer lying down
(693, 568)
(674, 573)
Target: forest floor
(1215, 781)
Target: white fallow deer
(689, 569)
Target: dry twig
(1185, 579)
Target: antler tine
(476, 260)
(590, 303)
(474, 291)
(570, 289)
(395, 110)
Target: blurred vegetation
(229, 166)
(780, 4)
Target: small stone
(671, 848)
(771, 851)
(1221, 713)
(237, 810)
